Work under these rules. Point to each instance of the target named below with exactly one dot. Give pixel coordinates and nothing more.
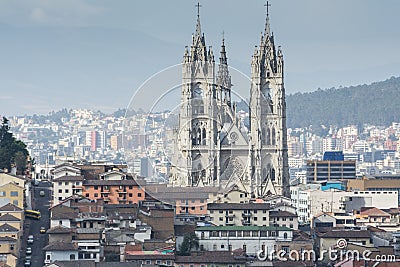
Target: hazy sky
(95, 54)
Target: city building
(333, 167)
(250, 239)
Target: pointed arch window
(263, 136)
(273, 141)
(198, 139)
(268, 137)
(272, 174)
(204, 137)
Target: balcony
(245, 222)
(230, 215)
(246, 215)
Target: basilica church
(213, 147)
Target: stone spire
(223, 77)
(267, 31)
(198, 25)
(198, 50)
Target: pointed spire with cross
(267, 27)
(198, 26)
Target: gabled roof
(13, 184)
(59, 230)
(9, 218)
(281, 213)
(10, 207)
(61, 246)
(345, 234)
(373, 212)
(7, 228)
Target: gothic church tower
(270, 170)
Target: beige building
(6, 178)
(12, 193)
(12, 210)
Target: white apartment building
(249, 238)
(310, 201)
(66, 186)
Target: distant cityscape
(91, 136)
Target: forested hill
(377, 103)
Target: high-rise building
(213, 146)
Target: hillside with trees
(12, 151)
(377, 103)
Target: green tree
(189, 243)
(12, 152)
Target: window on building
(244, 247)
(223, 233)
(239, 233)
(87, 195)
(96, 187)
(139, 194)
(264, 233)
(246, 233)
(66, 190)
(72, 257)
(254, 233)
(130, 187)
(255, 218)
(66, 183)
(15, 202)
(14, 193)
(59, 190)
(96, 195)
(60, 198)
(59, 183)
(222, 246)
(130, 195)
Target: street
(42, 204)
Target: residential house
(114, 191)
(228, 214)
(12, 193)
(66, 186)
(248, 238)
(12, 210)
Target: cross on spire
(198, 27)
(198, 9)
(267, 5)
(267, 27)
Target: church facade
(213, 147)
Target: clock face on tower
(198, 92)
